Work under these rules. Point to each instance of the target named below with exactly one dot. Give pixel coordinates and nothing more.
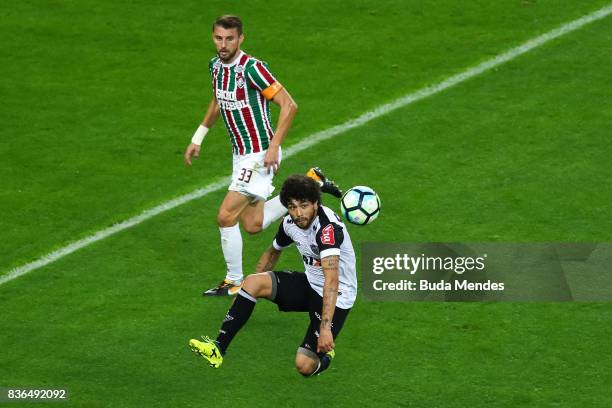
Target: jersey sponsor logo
(327, 235)
(225, 105)
(228, 95)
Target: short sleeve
(329, 239)
(282, 240)
(260, 78)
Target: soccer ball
(360, 205)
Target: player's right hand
(193, 150)
(325, 342)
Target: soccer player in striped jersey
(243, 86)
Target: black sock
(235, 318)
(324, 362)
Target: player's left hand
(326, 341)
(271, 161)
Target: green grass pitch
(99, 100)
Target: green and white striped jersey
(243, 89)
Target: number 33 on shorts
(250, 177)
(245, 175)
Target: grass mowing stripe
(317, 138)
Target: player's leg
(307, 361)
(251, 219)
(231, 243)
(245, 201)
(258, 215)
(255, 286)
(327, 185)
(249, 182)
(286, 289)
(291, 293)
(232, 206)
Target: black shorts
(292, 293)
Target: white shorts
(250, 177)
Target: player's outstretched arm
(288, 109)
(330, 266)
(268, 260)
(211, 116)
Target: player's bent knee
(305, 371)
(305, 365)
(226, 219)
(258, 285)
(251, 285)
(253, 227)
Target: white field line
(318, 137)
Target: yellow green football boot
(208, 349)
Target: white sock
(231, 244)
(273, 210)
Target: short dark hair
(228, 21)
(299, 187)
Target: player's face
(302, 212)
(227, 42)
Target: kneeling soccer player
(326, 291)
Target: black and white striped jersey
(325, 236)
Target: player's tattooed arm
(268, 260)
(330, 266)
